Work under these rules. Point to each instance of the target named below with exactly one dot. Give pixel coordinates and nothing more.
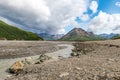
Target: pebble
(64, 74)
(78, 68)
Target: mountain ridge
(13, 33)
(78, 34)
(76, 31)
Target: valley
(60, 40)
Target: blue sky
(107, 6)
(60, 16)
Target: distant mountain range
(47, 36)
(13, 33)
(108, 36)
(78, 34)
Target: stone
(78, 68)
(16, 67)
(28, 61)
(64, 74)
(42, 58)
(111, 60)
(74, 54)
(60, 57)
(8, 76)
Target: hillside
(78, 34)
(13, 33)
(116, 37)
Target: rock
(42, 58)
(64, 74)
(96, 77)
(17, 67)
(8, 76)
(110, 59)
(78, 68)
(111, 45)
(74, 54)
(77, 53)
(28, 61)
(60, 57)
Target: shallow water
(65, 53)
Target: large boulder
(17, 67)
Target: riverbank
(6, 63)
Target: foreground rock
(18, 66)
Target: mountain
(13, 33)
(78, 34)
(47, 36)
(108, 36)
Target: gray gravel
(6, 63)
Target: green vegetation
(13, 33)
(116, 37)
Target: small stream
(6, 63)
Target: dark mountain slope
(13, 33)
(78, 34)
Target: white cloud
(50, 16)
(105, 23)
(94, 6)
(84, 17)
(117, 4)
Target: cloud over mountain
(50, 16)
(53, 16)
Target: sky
(60, 16)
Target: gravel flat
(6, 63)
(102, 63)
